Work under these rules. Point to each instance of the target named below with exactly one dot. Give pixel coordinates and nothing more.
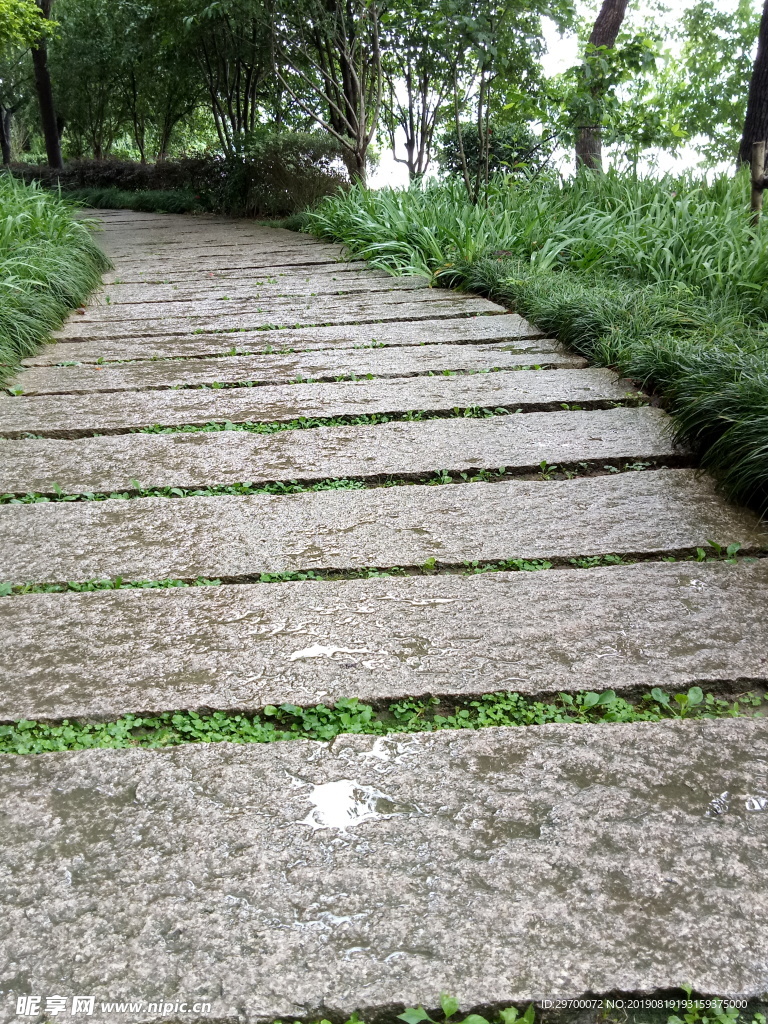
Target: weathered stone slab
(200, 275)
(236, 307)
(519, 443)
(291, 314)
(249, 645)
(324, 366)
(122, 411)
(240, 537)
(463, 330)
(298, 880)
(253, 287)
(169, 270)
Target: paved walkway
(306, 879)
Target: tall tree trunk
(5, 134)
(589, 151)
(45, 95)
(756, 121)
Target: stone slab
(301, 880)
(244, 646)
(236, 538)
(283, 369)
(341, 310)
(168, 269)
(201, 275)
(308, 302)
(254, 287)
(410, 450)
(123, 411)
(509, 328)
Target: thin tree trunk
(756, 121)
(604, 33)
(5, 134)
(45, 96)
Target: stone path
(306, 879)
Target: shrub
(278, 174)
(510, 146)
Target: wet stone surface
(206, 307)
(252, 286)
(280, 369)
(295, 879)
(117, 412)
(234, 537)
(510, 329)
(344, 310)
(104, 464)
(248, 645)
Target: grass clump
(663, 279)
(349, 715)
(49, 265)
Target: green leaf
(508, 1016)
(448, 1004)
(414, 1015)
(660, 697)
(695, 696)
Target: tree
(602, 37)
(418, 79)
(495, 58)
(756, 120)
(21, 23)
(14, 80)
(231, 41)
(328, 59)
(45, 93)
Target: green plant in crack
(277, 723)
(450, 1007)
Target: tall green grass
(49, 265)
(664, 279)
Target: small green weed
(349, 715)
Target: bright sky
(562, 53)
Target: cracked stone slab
(244, 646)
(339, 310)
(123, 411)
(307, 303)
(254, 287)
(201, 275)
(297, 880)
(650, 513)
(518, 443)
(285, 368)
(509, 328)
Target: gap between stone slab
(440, 704)
(431, 567)
(566, 470)
(346, 419)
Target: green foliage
(663, 279)
(511, 148)
(349, 715)
(49, 264)
(157, 201)
(21, 23)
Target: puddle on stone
(321, 651)
(340, 805)
(722, 804)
